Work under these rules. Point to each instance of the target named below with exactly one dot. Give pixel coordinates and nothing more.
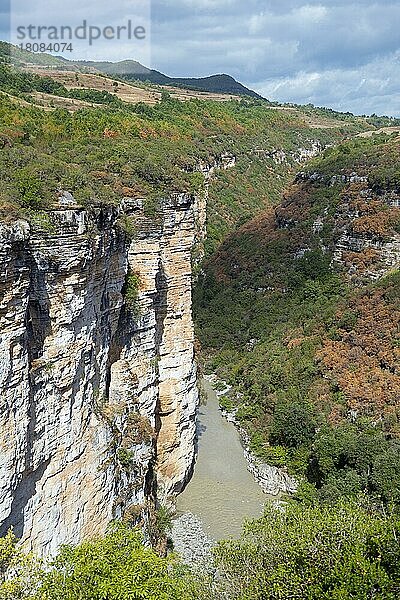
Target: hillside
(21, 58)
(299, 311)
(130, 70)
(133, 70)
(162, 143)
(222, 84)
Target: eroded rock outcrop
(97, 374)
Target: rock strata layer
(98, 388)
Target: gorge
(145, 247)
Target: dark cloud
(4, 19)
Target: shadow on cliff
(24, 491)
(37, 328)
(160, 309)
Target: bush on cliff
(115, 567)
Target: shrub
(293, 424)
(132, 292)
(350, 458)
(314, 552)
(20, 573)
(125, 457)
(138, 430)
(163, 521)
(29, 188)
(117, 567)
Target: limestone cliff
(97, 373)
(366, 240)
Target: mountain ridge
(128, 69)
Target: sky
(344, 54)
(339, 53)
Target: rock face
(98, 386)
(272, 480)
(368, 246)
(222, 162)
(366, 240)
(301, 155)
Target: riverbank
(192, 543)
(222, 492)
(273, 481)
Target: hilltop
(133, 70)
(130, 70)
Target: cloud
(48, 13)
(341, 53)
(364, 90)
(294, 50)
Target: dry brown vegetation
(364, 360)
(127, 92)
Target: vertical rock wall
(98, 395)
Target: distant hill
(126, 69)
(133, 70)
(121, 68)
(214, 83)
(20, 58)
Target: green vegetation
(10, 53)
(125, 457)
(96, 96)
(293, 424)
(163, 521)
(357, 457)
(132, 292)
(310, 349)
(22, 83)
(374, 157)
(13, 81)
(103, 154)
(316, 552)
(346, 550)
(117, 566)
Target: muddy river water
(222, 492)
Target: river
(222, 492)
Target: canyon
(106, 223)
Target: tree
(29, 188)
(317, 552)
(165, 96)
(116, 567)
(20, 573)
(293, 424)
(351, 458)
